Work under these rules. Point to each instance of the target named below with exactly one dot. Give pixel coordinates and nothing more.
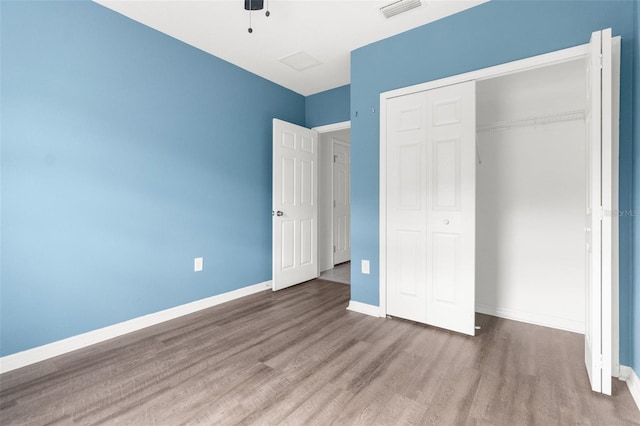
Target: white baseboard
(531, 318)
(364, 308)
(633, 382)
(50, 350)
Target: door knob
(446, 221)
(279, 213)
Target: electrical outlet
(365, 266)
(198, 264)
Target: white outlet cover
(365, 266)
(198, 264)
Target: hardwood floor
(298, 357)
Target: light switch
(365, 266)
(198, 264)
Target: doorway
(334, 202)
(531, 195)
(311, 195)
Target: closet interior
(530, 195)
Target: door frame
(328, 128)
(335, 142)
(556, 57)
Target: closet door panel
(446, 179)
(597, 226)
(450, 205)
(406, 207)
(445, 279)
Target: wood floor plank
(298, 357)
(330, 396)
(401, 410)
(313, 383)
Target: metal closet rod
(534, 121)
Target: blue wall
(328, 107)
(489, 34)
(125, 154)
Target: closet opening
(495, 188)
(531, 194)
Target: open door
(598, 224)
(295, 206)
(430, 210)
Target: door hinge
(334, 249)
(600, 60)
(335, 158)
(601, 212)
(334, 203)
(600, 362)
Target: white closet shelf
(538, 120)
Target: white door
(451, 207)
(295, 207)
(430, 232)
(406, 230)
(341, 202)
(598, 230)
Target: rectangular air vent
(300, 61)
(399, 6)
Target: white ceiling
(327, 30)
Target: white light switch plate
(365, 266)
(198, 264)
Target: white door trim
(615, 312)
(559, 56)
(333, 127)
(335, 142)
(533, 62)
(327, 128)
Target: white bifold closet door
(428, 260)
(598, 225)
(431, 207)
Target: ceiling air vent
(399, 6)
(300, 61)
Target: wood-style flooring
(298, 357)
